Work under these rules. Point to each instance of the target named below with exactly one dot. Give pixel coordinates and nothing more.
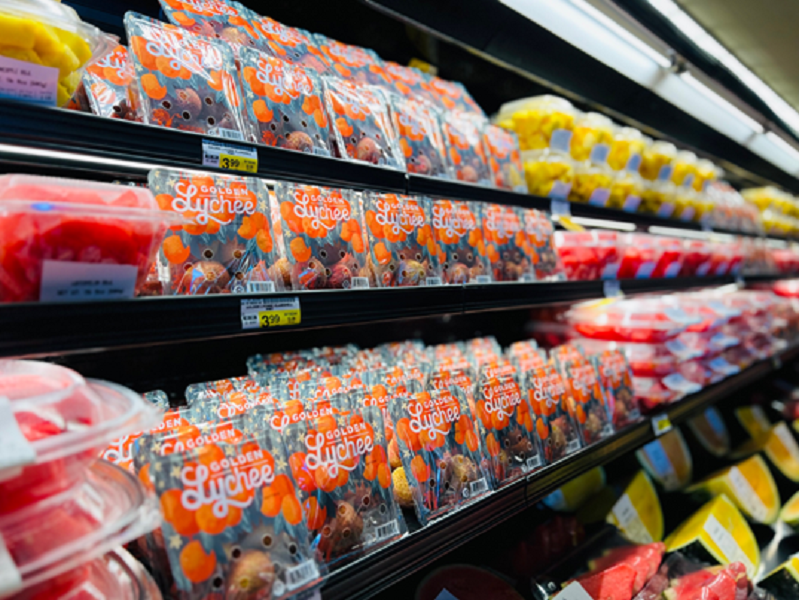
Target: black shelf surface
(31, 329)
(94, 147)
(378, 571)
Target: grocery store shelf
(386, 566)
(45, 328)
(78, 144)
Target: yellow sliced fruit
(790, 511)
(667, 460)
(717, 533)
(637, 513)
(749, 485)
(783, 582)
(18, 32)
(63, 59)
(20, 54)
(76, 44)
(574, 493)
(753, 419)
(710, 430)
(779, 445)
(62, 95)
(47, 40)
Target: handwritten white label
(747, 496)
(726, 542)
(630, 521)
(20, 80)
(64, 281)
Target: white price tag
(268, 312)
(630, 521)
(10, 577)
(64, 281)
(531, 464)
(301, 574)
(377, 533)
(727, 544)
(747, 495)
(15, 451)
(661, 424)
(21, 80)
(230, 156)
(573, 591)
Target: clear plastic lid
(53, 13)
(74, 192)
(109, 508)
(545, 103)
(590, 130)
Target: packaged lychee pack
(561, 354)
(353, 63)
(505, 242)
(462, 376)
(283, 104)
(340, 464)
(439, 444)
(407, 80)
(107, 84)
(539, 243)
(504, 159)
(463, 135)
(402, 248)
(233, 524)
(550, 403)
(206, 389)
(185, 81)
(362, 123)
(230, 404)
(324, 243)
(220, 19)
(591, 413)
(420, 136)
(617, 381)
(509, 425)
(457, 227)
(228, 243)
(293, 45)
(452, 95)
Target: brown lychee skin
(187, 101)
(299, 141)
(468, 173)
(252, 576)
(367, 150)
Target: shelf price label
(273, 312)
(661, 424)
(230, 157)
(573, 591)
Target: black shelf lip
(35, 329)
(384, 567)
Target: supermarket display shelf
(31, 329)
(386, 566)
(83, 145)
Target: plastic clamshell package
(233, 521)
(548, 174)
(592, 183)
(108, 508)
(108, 85)
(439, 443)
(626, 150)
(62, 423)
(507, 247)
(538, 243)
(540, 121)
(403, 251)
(48, 222)
(353, 63)
(588, 255)
(590, 411)
(591, 130)
(616, 377)
(48, 33)
(552, 407)
(325, 244)
(227, 244)
(226, 20)
(504, 159)
(283, 104)
(185, 81)
(420, 137)
(407, 81)
(458, 231)
(452, 95)
(361, 123)
(463, 135)
(293, 45)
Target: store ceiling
(761, 33)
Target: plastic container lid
(61, 424)
(56, 535)
(545, 103)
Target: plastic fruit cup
(640, 254)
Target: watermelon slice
(712, 583)
(615, 583)
(645, 560)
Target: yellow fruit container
(704, 208)
(591, 184)
(536, 120)
(48, 34)
(628, 143)
(706, 172)
(625, 191)
(548, 173)
(658, 198)
(657, 156)
(686, 202)
(683, 170)
(591, 130)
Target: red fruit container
(645, 360)
(56, 234)
(696, 258)
(670, 258)
(61, 534)
(640, 253)
(61, 425)
(588, 255)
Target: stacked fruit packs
(63, 511)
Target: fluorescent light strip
(79, 158)
(721, 102)
(783, 144)
(588, 222)
(713, 48)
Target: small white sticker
(482, 279)
(661, 424)
(531, 463)
(378, 533)
(630, 521)
(573, 591)
(676, 382)
(573, 446)
(478, 487)
(357, 283)
(15, 451)
(64, 281)
(722, 367)
(747, 495)
(301, 574)
(20, 80)
(228, 134)
(434, 281)
(10, 577)
(260, 287)
(727, 544)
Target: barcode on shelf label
(531, 463)
(276, 312)
(478, 487)
(382, 532)
(434, 281)
(630, 521)
(260, 287)
(357, 283)
(482, 279)
(573, 446)
(661, 424)
(228, 134)
(573, 591)
(788, 441)
(747, 495)
(15, 451)
(230, 157)
(10, 577)
(727, 544)
(301, 574)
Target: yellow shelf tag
(230, 157)
(270, 312)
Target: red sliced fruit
(33, 427)
(644, 559)
(615, 583)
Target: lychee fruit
(299, 141)
(367, 150)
